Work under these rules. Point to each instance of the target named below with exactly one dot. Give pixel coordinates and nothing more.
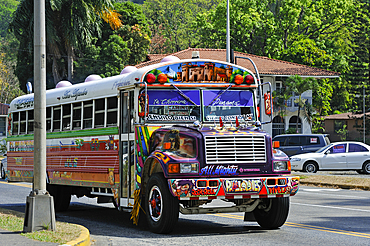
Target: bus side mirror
(276, 144)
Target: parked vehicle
(163, 139)
(294, 144)
(335, 156)
(3, 167)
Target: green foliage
(7, 7)
(342, 133)
(109, 54)
(76, 33)
(291, 131)
(314, 33)
(171, 23)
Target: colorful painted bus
(166, 138)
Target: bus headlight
(183, 168)
(282, 166)
(189, 167)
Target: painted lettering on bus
(279, 190)
(219, 170)
(71, 162)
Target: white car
(335, 156)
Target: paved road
(317, 217)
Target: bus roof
(191, 71)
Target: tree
(127, 45)
(298, 86)
(9, 85)
(7, 7)
(358, 75)
(316, 33)
(69, 25)
(171, 23)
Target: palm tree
(298, 85)
(70, 24)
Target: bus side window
(76, 116)
(48, 119)
(112, 104)
(15, 123)
(56, 119)
(87, 114)
(99, 112)
(66, 122)
(30, 121)
(23, 121)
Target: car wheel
(162, 208)
(310, 167)
(2, 172)
(366, 168)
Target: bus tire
(161, 207)
(61, 195)
(272, 213)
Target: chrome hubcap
(155, 203)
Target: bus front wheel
(162, 208)
(272, 212)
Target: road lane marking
(17, 184)
(323, 206)
(325, 229)
(303, 226)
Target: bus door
(127, 137)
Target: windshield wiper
(214, 99)
(183, 95)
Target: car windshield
(323, 148)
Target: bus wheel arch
(151, 166)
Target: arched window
(293, 123)
(278, 126)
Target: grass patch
(64, 232)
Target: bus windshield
(228, 105)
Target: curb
(82, 240)
(342, 186)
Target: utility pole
(364, 110)
(40, 214)
(228, 32)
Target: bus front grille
(235, 149)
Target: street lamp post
(364, 110)
(40, 214)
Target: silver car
(3, 167)
(335, 156)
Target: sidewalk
(9, 238)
